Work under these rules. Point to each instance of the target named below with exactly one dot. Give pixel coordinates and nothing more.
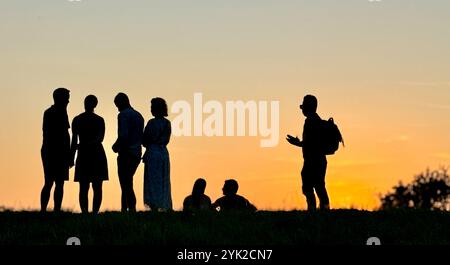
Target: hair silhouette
(199, 187)
(122, 101)
(230, 187)
(90, 103)
(61, 96)
(159, 107)
(197, 201)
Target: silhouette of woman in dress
(88, 132)
(157, 190)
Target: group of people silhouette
(58, 154)
(231, 201)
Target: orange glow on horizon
(381, 71)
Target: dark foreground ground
(285, 229)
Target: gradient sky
(381, 69)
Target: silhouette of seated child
(197, 201)
(231, 200)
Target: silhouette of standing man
(128, 146)
(315, 162)
(55, 151)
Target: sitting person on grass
(231, 201)
(197, 201)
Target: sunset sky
(381, 69)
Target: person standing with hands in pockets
(128, 147)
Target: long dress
(91, 164)
(157, 190)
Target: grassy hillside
(213, 229)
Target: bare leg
(45, 195)
(58, 195)
(311, 201)
(323, 197)
(98, 194)
(83, 197)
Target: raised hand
(293, 140)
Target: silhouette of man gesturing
(315, 162)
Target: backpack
(331, 137)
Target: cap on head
(309, 103)
(61, 95)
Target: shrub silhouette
(430, 190)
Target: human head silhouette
(199, 187)
(61, 97)
(230, 187)
(159, 108)
(122, 101)
(309, 105)
(90, 102)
